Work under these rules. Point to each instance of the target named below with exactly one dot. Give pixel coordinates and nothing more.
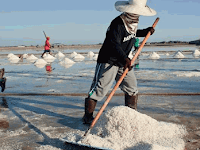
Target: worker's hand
(128, 64)
(151, 29)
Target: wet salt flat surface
(38, 122)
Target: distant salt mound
(40, 61)
(49, 58)
(122, 128)
(90, 54)
(178, 55)
(95, 57)
(59, 55)
(67, 63)
(13, 57)
(73, 54)
(25, 55)
(9, 55)
(78, 57)
(167, 54)
(31, 57)
(154, 55)
(196, 53)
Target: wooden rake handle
(119, 81)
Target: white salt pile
(154, 55)
(90, 54)
(40, 61)
(59, 55)
(178, 55)
(67, 63)
(78, 57)
(73, 54)
(13, 58)
(25, 55)
(124, 128)
(31, 57)
(95, 57)
(167, 54)
(186, 74)
(49, 58)
(9, 55)
(196, 53)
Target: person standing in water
(113, 56)
(47, 46)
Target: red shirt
(47, 45)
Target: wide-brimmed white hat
(135, 6)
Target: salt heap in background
(78, 57)
(178, 55)
(31, 58)
(196, 53)
(25, 55)
(122, 128)
(73, 54)
(59, 55)
(13, 58)
(154, 55)
(95, 57)
(67, 63)
(90, 54)
(40, 63)
(49, 58)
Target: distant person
(113, 56)
(2, 80)
(47, 46)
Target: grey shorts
(105, 75)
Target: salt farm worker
(47, 46)
(2, 80)
(113, 56)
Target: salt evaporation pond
(123, 128)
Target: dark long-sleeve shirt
(118, 43)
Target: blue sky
(86, 22)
